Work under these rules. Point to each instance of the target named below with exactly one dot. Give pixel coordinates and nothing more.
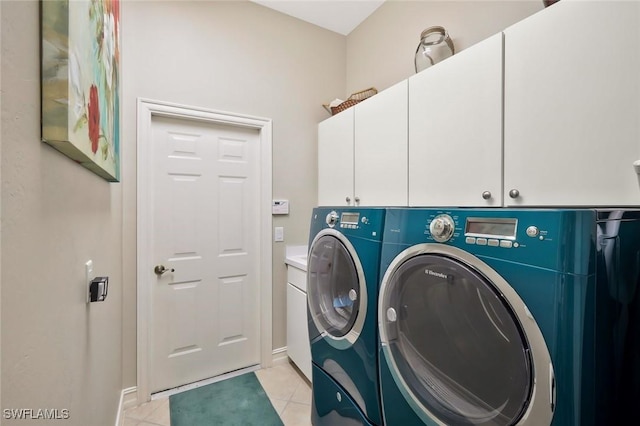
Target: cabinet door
(572, 105)
(455, 129)
(335, 160)
(381, 148)
(298, 344)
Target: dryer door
(459, 346)
(336, 288)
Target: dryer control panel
(478, 230)
(548, 238)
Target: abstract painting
(81, 82)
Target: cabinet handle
(486, 195)
(514, 193)
(357, 200)
(348, 200)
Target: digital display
(492, 227)
(351, 218)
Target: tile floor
(288, 390)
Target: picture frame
(80, 71)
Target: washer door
(336, 288)
(457, 344)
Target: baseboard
(279, 356)
(128, 399)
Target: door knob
(348, 200)
(514, 193)
(160, 269)
(486, 195)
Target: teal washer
(509, 316)
(342, 297)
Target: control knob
(533, 231)
(332, 219)
(441, 228)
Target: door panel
(205, 218)
(455, 129)
(381, 148)
(335, 160)
(571, 126)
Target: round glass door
(454, 343)
(335, 287)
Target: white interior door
(205, 212)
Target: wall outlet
(88, 276)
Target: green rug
(239, 401)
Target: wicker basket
(351, 101)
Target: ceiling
(339, 16)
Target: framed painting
(81, 82)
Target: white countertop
(296, 256)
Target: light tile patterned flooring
(288, 390)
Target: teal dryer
(509, 316)
(342, 297)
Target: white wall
(238, 57)
(380, 51)
(57, 351)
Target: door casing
(147, 109)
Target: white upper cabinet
(572, 106)
(362, 152)
(380, 168)
(335, 160)
(455, 129)
(545, 114)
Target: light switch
(279, 234)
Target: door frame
(147, 109)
